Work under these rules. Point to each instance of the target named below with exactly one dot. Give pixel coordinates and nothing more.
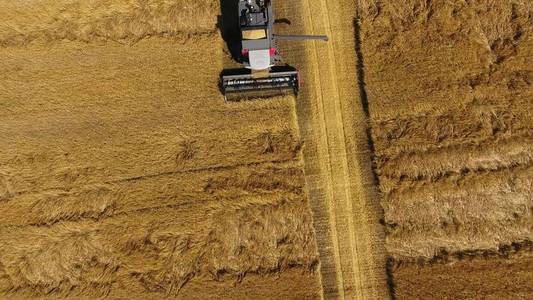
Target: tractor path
(337, 155)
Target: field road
(338, 168)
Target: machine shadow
(360, 65)
(228, 24)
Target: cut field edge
(404, 183)
(279, 163)
(111, 213)
(402, 146)
(503, 251)
(178, 37)
(402, 150)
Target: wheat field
(402, 170)
(450, 101)
(123, 173)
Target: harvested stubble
(450, 102)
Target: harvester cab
(261, 76)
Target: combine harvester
(261, 76)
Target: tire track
(339, 185)
(337, 286)
(337, 142)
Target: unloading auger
(261, 76)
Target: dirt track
(336, 155)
